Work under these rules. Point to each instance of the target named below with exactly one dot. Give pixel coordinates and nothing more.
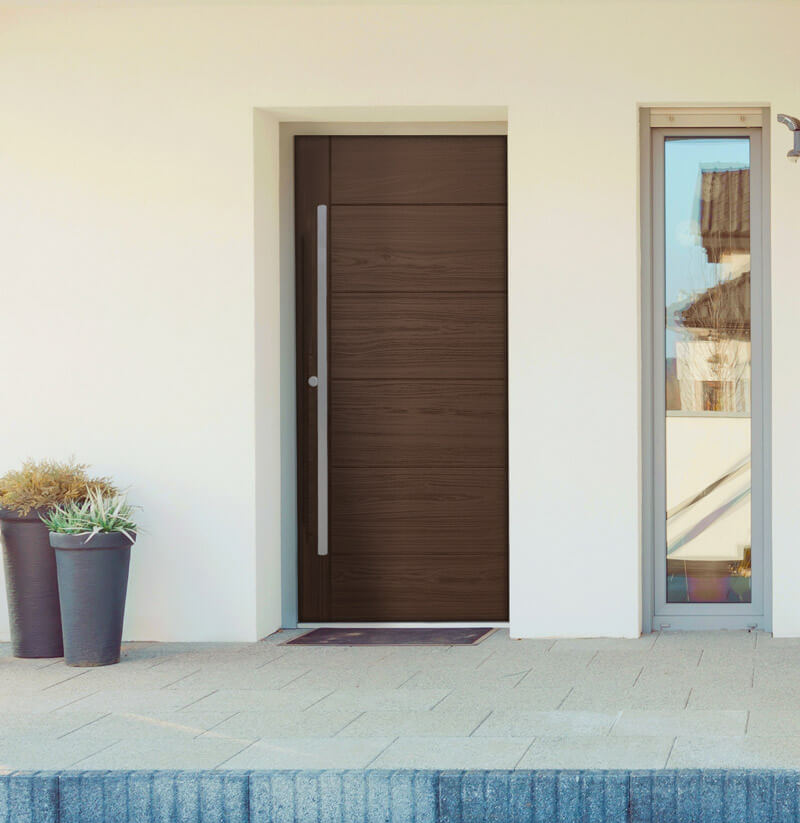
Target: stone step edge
(401, 796)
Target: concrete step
(733, 796)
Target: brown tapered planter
(31, 584)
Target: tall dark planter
(92, 584)
(30, 568)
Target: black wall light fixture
(793, 123)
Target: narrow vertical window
(707, 369)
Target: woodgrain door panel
(417, 405)
(408, 248)
(418, 170)
(419, 587)
(418, 423)
(423, 335)
(400, 510)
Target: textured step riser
(400, 797)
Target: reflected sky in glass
(687, 266)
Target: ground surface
(694, 700)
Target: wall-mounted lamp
(794, 126)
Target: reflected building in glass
(708, 370)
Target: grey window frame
(656, 613)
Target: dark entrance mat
(391, 637)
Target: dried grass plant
(44, 484)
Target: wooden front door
(409, 467)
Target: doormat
(391, 637)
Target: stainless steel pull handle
(321, 379)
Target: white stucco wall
(139, 329)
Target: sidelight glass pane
(708, 369)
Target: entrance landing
(724, 700)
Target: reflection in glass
(707, 344)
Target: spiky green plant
(98, 514)
(42, 484)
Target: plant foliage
(42, 484)
(98, 514)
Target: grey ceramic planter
(92, 584)
(30, 568)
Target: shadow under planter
(92, 584)
(30, 569)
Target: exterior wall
(140, 330)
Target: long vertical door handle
(322, 380)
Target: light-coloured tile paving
(745, 752)
(689, 723)
(415, 724)
(524, 723)
(595, 752)
(453, 753)
(708, 699)
(307, 753)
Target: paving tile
(766, 642)
(589, 698)
(716, 696)
(585, 752)
(40, 702)
(47, 726)
(684, 722)
(452, 753)
(139, 725)
(132, 700)
(22, 751)
(238, 656)
(503, 644)
(328, 656)
(554, 663)
(111, 677)
(514, 723)
(16, 674)
(727, 640)
(465, 655)
(777, 677)
(165, 751)
(724, 671)
(408, 655)
(313, 722)
(235, 700)
(747, 752)
(374, 676)
(450, 679)
(229, 677)
(393, 699)
(531, 698)
(501, 664)
(694, 678)
(414, 724)
(594, 644)
(609, 676)
(307, 753)
(774, 722)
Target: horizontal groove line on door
(482, 551)
(405, 293)
(418, 379)
(411, 204)
(405, 466)
(424, 379)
